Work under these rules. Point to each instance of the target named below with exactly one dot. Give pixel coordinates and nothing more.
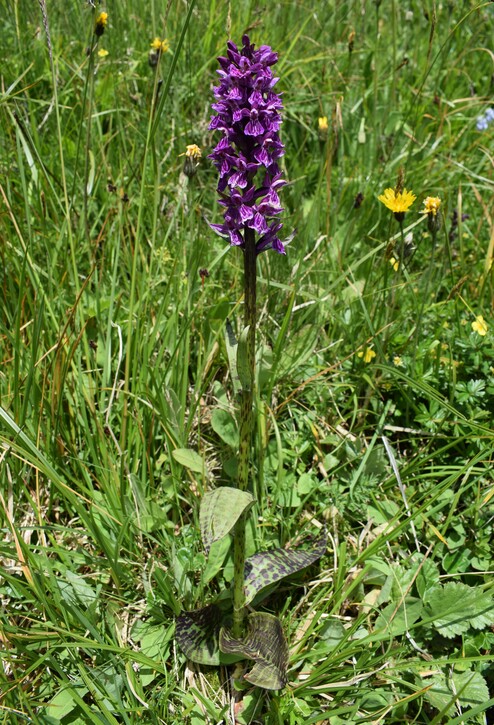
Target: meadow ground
(375, 361)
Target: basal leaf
(455, 607)
(190, 459)
(225, 427)
(220, 511)
(266, 645)
(267, 567)
(398, 618)
(197, 634)
(467, 688)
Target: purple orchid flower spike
(248, 115)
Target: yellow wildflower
(163, 46)
(192, 155)
(102, 53)
(193, 151)
(394, 263)
(323, 124)
(398, 202)
(101, 23)
(397, 361)
(368, 354)
(479, 325)
(431, 205)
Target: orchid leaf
(197, 634)
(231, 351)
(268, 567)
(266, 645)
(220, 511)
(243, 367)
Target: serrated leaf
(197, 634)
(455, 607)
(268, 567)
(220, 511)
(467, 688)
(190, 459)
(266, 645)
(225, 426)
(471, 688)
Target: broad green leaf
(268, 567)
(190, 459)
(197, 634)
(455, 607)
(63, 703)
(75, 589)
(220, 511)
(471, 688)
(467, 688)
(225, 426)
(398, 618)
(266, 645)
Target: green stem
(245, 436)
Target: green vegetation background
(116, 405)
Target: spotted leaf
(266, 645)
(220, 511)
(268, 567)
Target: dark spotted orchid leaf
(266, 645)
(197, 634)
(220, 511)
(268, 567)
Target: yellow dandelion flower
(101, 23)
(399, 202)
(431, 205)
(368, 354)
(163, 46)
(323, 124)
(193, 151)
(479, 325)
(394, 263)
(102, 53)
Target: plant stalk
(245, 426)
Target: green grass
(113, 357)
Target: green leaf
(266, 645)
(231, 351)
(467, 688)
(398, 618)
(220, 511)
(455, 607)
(216, 559)
(225, 426)
(471, 688)
(244, 372)
(267, 567)
(197, 634)
(63, 703)
(190, 459)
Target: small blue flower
(482, 123)
(485, 119)
(489, 115)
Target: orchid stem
(245, 426)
